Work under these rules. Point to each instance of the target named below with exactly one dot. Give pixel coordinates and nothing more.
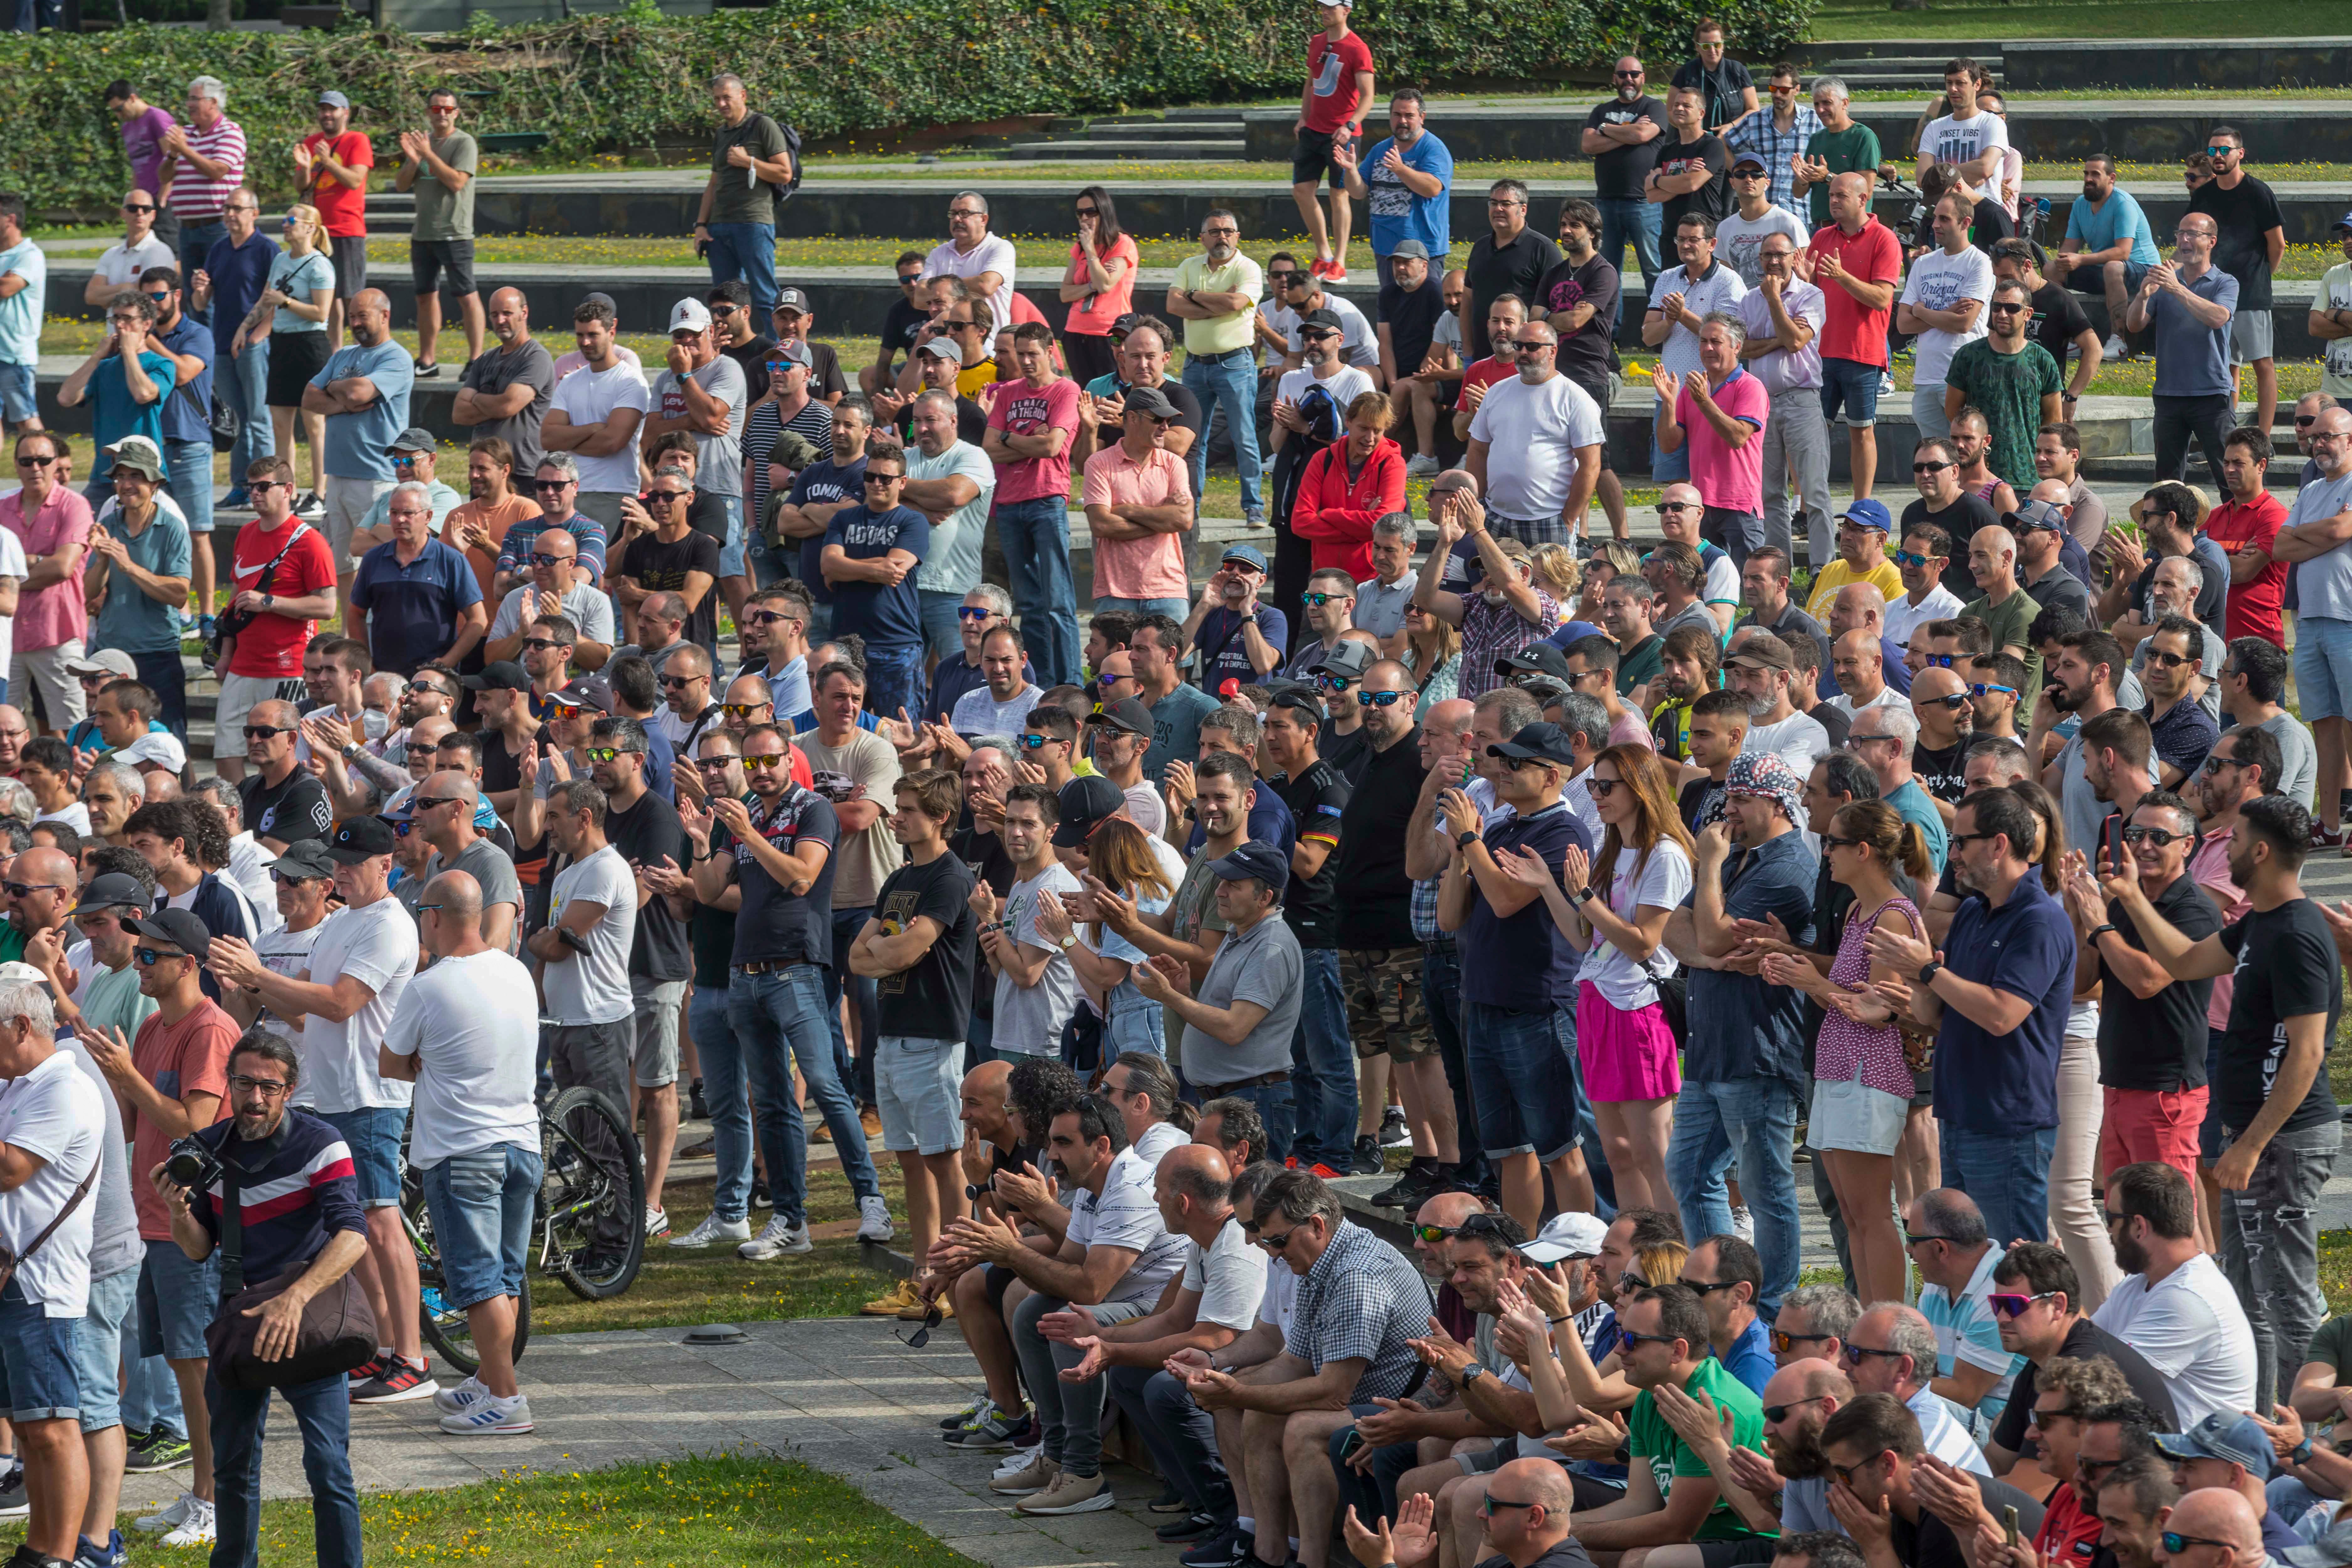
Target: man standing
(983, 261)
(1330, 115)
(871, 551)
(1700, 286)
(2058, 322)
(2250, 239)
(1860, 263)
(1621, 137)
(1510, 258)
(1317, 796)
(1691, 177)
(138, 577)
(1240, 637)
(1215, 295)
(1780, 137)
(2108, 246)
(331, 165)
(1139, 508)
(439, 164)
(1943, 301)
(750, 161)
(187, 436)
(226, 282)
(1029, 432)
(2008, 379)
(504, 393)
(2246, 525)
(204, 161)
(1542, 434)
(126, 379)
(1177, 707)
(1402, 180)
(24, 292)
(593, 417)
(1742, 231)
(2058, 459)
(423, 604)
(282, 584)
(2190, 303)
(1718, 411)
(1783, 315)
(2254, 688)
(363, 395)
(703, 393)
(2317, 527)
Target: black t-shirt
(1587, 355)
(1347, 754)
(1700, 803)
(2058, 320)
(983, 852)
(2083, 1341)
(1375, 895)
(2244, 218)
(294, 809)
(655, 564)
(1318, 799)
(1712, 199)
(705, 514)
(1991, 223)
(1724, 89)
(644, 833)
(972, 419)
(713, 934)
(2286, 968)
(1931, 1543)
(901, 324)
(2159, 1044)
(754, 357)
(1619, 175)
(1517, 268)
(2210, 593)
(1834, 721)
(1960, 521)
(774, 926)
(931, 1001)
(1188, 414)
(1939, 773)
(1411, 320)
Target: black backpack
(785, 192)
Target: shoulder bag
(338, 1331)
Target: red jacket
(1337, 516)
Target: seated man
(1728, 1276)
(1892, 1349)
(2036, 1301)
(1786, 1493)
(1873, 1446)
(1813, 1324)
(1944, 1234)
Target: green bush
(836, 69)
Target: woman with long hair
(291, 315)
(1099, 287)
(1615, 906)
(1861, 1078)
(1609, 561)
(1434, 653)
(1129, 862)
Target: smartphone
(1355, 1440)
(2113, 830)
(2009, 1522)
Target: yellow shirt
(1886, 577)
(1240, 275)
(972, 378)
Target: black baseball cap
(1127, 714)
(184, 929)
(504, 676)
(1255, 858)
(1545, 741)
(111, 890)
(1537, 658)
(1087, 804)
(360, 839)
(305, 858)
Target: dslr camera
(192, 1165)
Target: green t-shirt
(109, 999)
(2008, 389)
(1638, 665)
(2008, 624)
(2333, 1344)
(442, 213)
(1669, 1459)
(1847, 151)
(740, 195)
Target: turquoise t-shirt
(128, 619)
(2121, 217)
(20, 313)
(295, 276)
(117, 414)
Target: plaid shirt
(1757, 134)
(1424, 910)
(1363, 1301)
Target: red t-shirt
(2254, 606)
(1331, 72)
(190, 1056)
(1872, 256)
(271, 647)
(343, 208)
(2068, 1537)
(1486, 372)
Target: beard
(2131, 1257)
(2066, 700)
(1799, 1457)
(1760, 705)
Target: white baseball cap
(1568, 1234)
(155, 746)
(689, 316)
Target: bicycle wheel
(445, 1328)
(592, 1197)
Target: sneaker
(449, 1401)
(236, 498)
(780, 1237)
(700, 1148)
(310, 505)
(197, 1528)
(1327, 1173)
(657, 1223)
(427, 371)
(109, 1554)
(1228, 1547)
(761, 1198)
(994, 1433)
(403, 1381)
(1368, 1161)
(1885, 383)
(168, 1517)
(873, 1220)
(1170, 1500)
(894, 1302)
(368, 1369)
(491, 1417)
(1192, 1527)
(14, 1504)
(696, 1109)
(1335, 273)
(1743, 1225)
(1421, 466)
(2117, 349)
(1070, 1494)
(1253, 516)
(1411, 1190)
(713, 1230)
(1394, 1133)
(1037, 1476)
(159, 1450)
(1021, 1458)
(971, 1414)
(1320, 266)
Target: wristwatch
(1464, 839)
(1068, 941)
(2301, 1452)
(1472, 1373)
(1928, 970)
(1581, 895)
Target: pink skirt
(1625, 1056)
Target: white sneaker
(1018, 1460)
(196, 1529)
(713, 1230)
(874, 1220)
(1885, 383)
(490, 1417)
(657, 1223)
(1743, 1225)
(449, 1401)
(2117, 349)
(168, 1517)
(775, 1241)
(1421, 466)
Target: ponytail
(1913, 855)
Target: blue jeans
(747, 251)
(151, 1395)
(893, 679)
(1174, 609)
(1621, 220)
(196, 242)
(1036, 539)
(1231, 381)
(1524, 1078)
(190, 465)
(1277, 1107)
(942, 628)
(1323, 1067)
(858, 1071)
(322, 1409)
(721, 1057)
(167, 677)
(1751, 1120)
(770, 1013)
(2008, 1173)
(1667, 468)
(243, 382)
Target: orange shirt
(497, 519)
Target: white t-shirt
(586, 608)
(1904, 617)
(1799, 740)
(375, 944)
(1532, 434)
(76, 816)
(2192, 1330)
(589, 398)
(285, 950)
(472, 1024)
(1887, 697)
(1157, 1139)
(1739, 241)
(1128, 1216)
(1662, 880)
(1230, 1277)
(1346, 384)
(1721, 289)
(1359, 344)
(55, 1112)
(121, 265)
(1281, 1297)
(1955, 141)
(1939, 281)
(1030, 1019)
(978, 712)
(593, 987)
(992, 254)
(12, 564)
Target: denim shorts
(38, 1352)
(730, 554)
(374, 1132)
(2323, 667)
(919, 1089)
(177, 1300)
(1534, 1054)
(482, 1209)
(1853, 386)
(17, 401)
(97, 1349)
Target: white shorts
(918, 1088)
(238, 693)
(348, 501)
(61, 695)
(1855, 1118)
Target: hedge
(836, 69)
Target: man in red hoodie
(1349, 486)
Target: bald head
(450, 781)
(991, 1079)
(457, 898)
(54, 867)
(157, 784)
(1451, 717)
(1449, 1209)
(276, 714)
(1192, 1165)
(2220, 1514)
(1933, 682)
(1809, 1379)
(1536, 1481)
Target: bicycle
(446, 1328)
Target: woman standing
(1099, 287)
(291, 311)
(1862, 1080)
(1140, 868)
(1433, 654)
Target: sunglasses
(1938, 660)
(1108, 681)
(1627, 1339)
(884, 479)
(1697, 1288)
(552, 484)
(540, 558)
(27, 890)
(1957, 839)
(1034, 742)
(1433, 1234)
(402, 829)
(135, 207)
(604, 753)
(712, 764)
(543, 643)
(973, 612)
(1829, 841)
(1776, 1414)
(681, 682)
(922, 1335)
(2136, 833)
(1273, 1243)
(2011, 1304)
(1602, 788)
(1334, 682)
(663, 497)
(1999, 309)
(1980, 689)
(2215, 764)
(1904, 558)
(1316, 601)
(908, 279)
(767, 617)
(1382, 698)
(1845, 1473)
(150, 957)
(1784, 1343)
(1951, 702)
(1854, 1352)
(427, 801)
(267, 731)
(763, 759)
(1929, 468)
(2169, 660)
(1490, 1502)
(722, 310)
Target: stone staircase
(391, 215)
(1923, 72)
(1180, 135)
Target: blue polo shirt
(2192, 360)
(1750, 1360)
(239, 273)
(1741, 1026)
(413, 610)
(885, 616)
(117, 413)
(180, 420)
(1270, 822)
(1525, 962)
(2006, 1085)
(358, 445)
(1396, 213)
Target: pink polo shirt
(57, 614)
(1729, 477)
(1150, 568)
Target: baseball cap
(156, 746)
(1744, 160)
(2343, 223)
(1087, 803)
(1128, 714)
(1257, 859)
(105, 661)
(1348, 657)
(1757, 653)
(306, 857)
(111, 891)
(2030, 514)
(2333, 1550)
(1126, 323)
(139, 455)
(360, 839)
(1248, 555)
(1410, 249)
(1571, 1234)
(414, 439)
(791, 352)
(333, 99)
(689, 316)
(941, 348)
(1150, 400)
(505, 675)
(2223, 1436)
(588, 692)
(1323, 316)
(1546, 741)
(1300, 699)
(792, 300)
(1868, 512)
(1535, 658)
(184, 929)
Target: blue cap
(333, 99)
(1248, 555)
(1868, 512)
(2032, 514)
(2343, 223)
(1255, 858)
(2223, 1436)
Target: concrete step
(1928, 63)
(1141, 132)
(1926, 83)
(1201, 149)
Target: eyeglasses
(1980, 689)
(1904, 558)
(150, 957)
(2214, 764)
(2176, 1542)
(1776, 1414)
(1845, 1473)
(1492, 1502)
(267, 731)
(541, 558)
(1382, 698)
(2136, 833)
(267, 1087)
(1854, 1352)
(1929, 468)
(2009, 1304)
(1627, 1339)
(712, 764)
(1784, 1343)
(27, 890)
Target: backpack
(785, 192)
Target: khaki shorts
(63, 703)
(348, 503)
(1386, 1010)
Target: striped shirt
(295, 1188)
(195, 198)
(761, 431)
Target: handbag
(338, 1329)
(9, 1260)
(220, 419)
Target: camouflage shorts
(1386, 1010)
